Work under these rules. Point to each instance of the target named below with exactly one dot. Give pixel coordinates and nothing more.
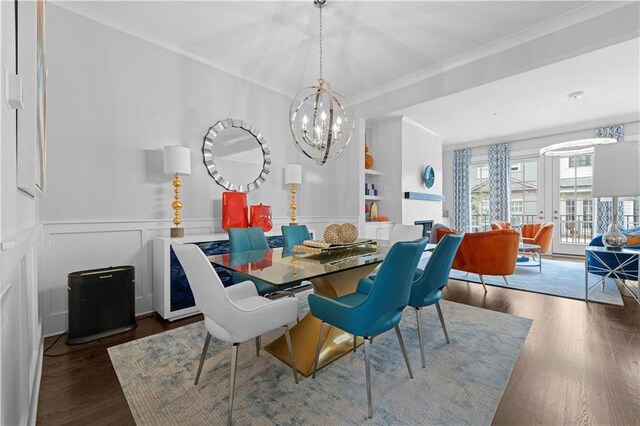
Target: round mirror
(236, 155)
(429, 176)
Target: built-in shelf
(372, 172)
(372, 197)
(368, 222)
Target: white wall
(402, 149)
(114, 102)
(21, 327)
(420, 147)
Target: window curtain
(500, 182)
(461, 190)
(604, 209)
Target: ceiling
(367, 45)
(537, 100)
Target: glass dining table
(332, 274)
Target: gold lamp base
(177, 232)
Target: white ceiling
(537, 100)
(368, 44)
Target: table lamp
(616, 173)
(293, 177)
(177, 161)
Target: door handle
(555, 217)
(540, 217)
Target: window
(517, 207)
(524, 191)
(580, 160)
(570, 209)
(479, 183)
(587, 209)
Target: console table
(172, 296)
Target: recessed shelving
(373, 197)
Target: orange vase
(261, 216)
(234, 210)
(368, 158)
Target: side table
(626, 259)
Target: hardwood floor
(580, 364)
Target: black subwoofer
(101, 303)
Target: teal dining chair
(294, 235)
(427, 288)
(375, 307)
(249, 239)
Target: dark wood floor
(580, 364)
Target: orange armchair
(497, 225)
(539, 234)
(487, 253)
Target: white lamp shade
(177, 159)
(293, 174)
(616, 170)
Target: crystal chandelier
(320, 119)
(579, 146)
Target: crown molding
(549, 132)
(541, 29)
(97, 13)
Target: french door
(572, 203)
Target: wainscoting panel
(74, 246)
(21, 333)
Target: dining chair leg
(207, 340)
(287, 337)
(482, 281)
(367, 367)
(420, 342)
(258, 346)
(444, 327)
(232, 380)
(355, 342)
(318, 346)
(404, 351)
(505, 279)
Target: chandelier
(320, 119)
(579, 146)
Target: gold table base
(304, 335)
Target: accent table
(332, 275)
(631, 256)
(531, 249)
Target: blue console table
(172, 296)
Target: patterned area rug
(565, 279)
(462, 384)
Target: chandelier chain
(320, 41)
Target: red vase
(261, 216)
(234, 210)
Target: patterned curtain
(500, 182)
(461, 218)
(604, 209)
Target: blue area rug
(564, 279)
(462, 384)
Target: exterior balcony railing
(574, 229)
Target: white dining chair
(233, 314)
